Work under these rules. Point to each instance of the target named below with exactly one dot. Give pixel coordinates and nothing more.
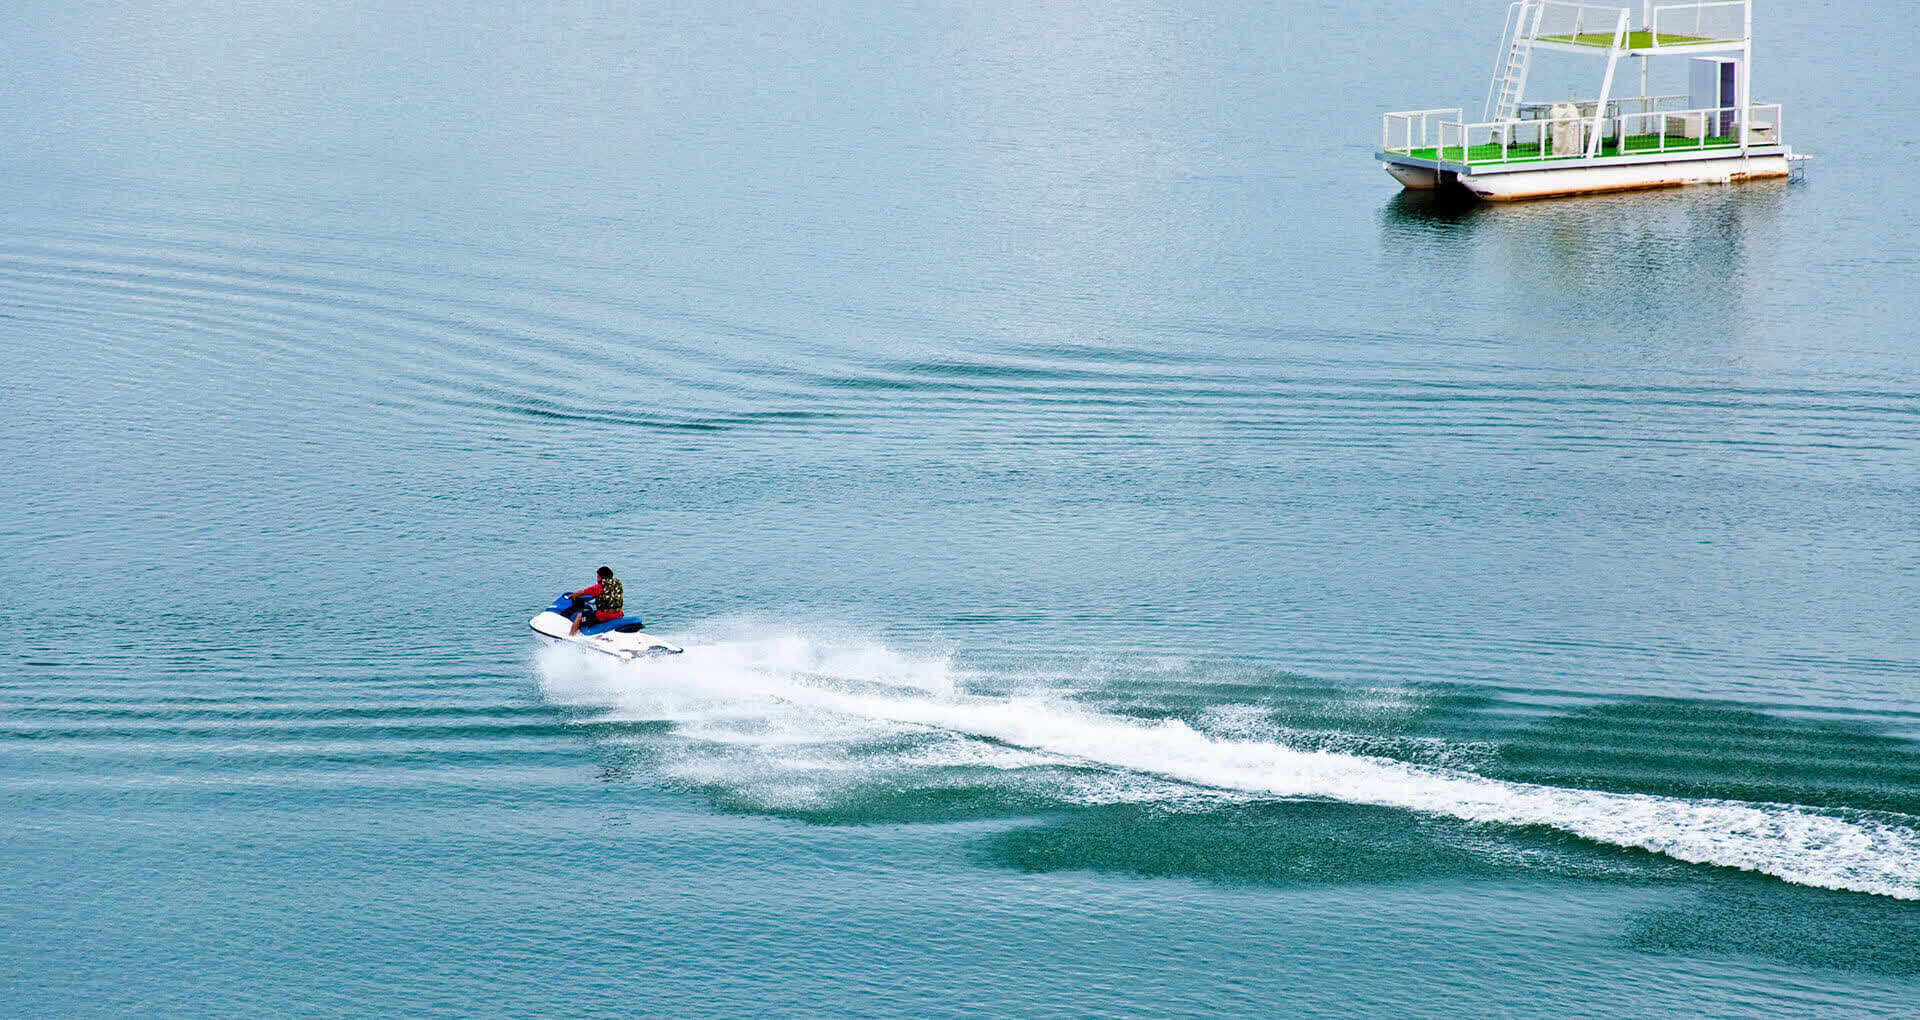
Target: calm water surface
(1131, 558)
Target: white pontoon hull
(1414, 178)
(1587, 180)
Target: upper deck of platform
(1647, 29)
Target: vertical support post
(1743, 84)
(1606, 83)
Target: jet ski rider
(607, 597)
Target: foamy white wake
(781, 705)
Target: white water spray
(786, 706)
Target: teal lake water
(1132, 560)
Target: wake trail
(779, 699)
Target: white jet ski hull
(622, 645)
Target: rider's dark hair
(606, 571)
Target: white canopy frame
(1571, 27)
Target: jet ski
(621, 637)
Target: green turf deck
(1493, 152)
(1635, 40)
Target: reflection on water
(1681, 263)
(1440, 210)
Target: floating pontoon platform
(1713, 135)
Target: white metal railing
(1649, 104)
(1588, 24)
(1414, 129)
(1660, 125)
(1684, 24)
(1707, 127)
(1625, 104)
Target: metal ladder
(1516, 53)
